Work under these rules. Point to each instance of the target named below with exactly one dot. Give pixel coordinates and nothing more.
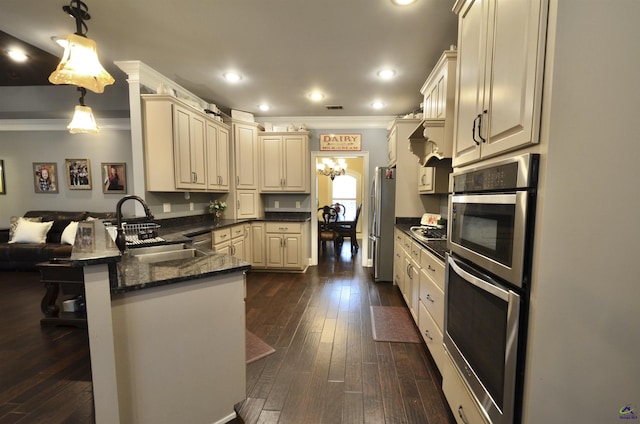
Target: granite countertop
(127, 273)
(437, 247)
(130, 274)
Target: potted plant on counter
(216, 208)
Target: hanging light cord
(80, 12)
(83, 92)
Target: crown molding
(330, 122)
(118, 124)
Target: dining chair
(326, 232)
(349, 229)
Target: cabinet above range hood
(432, 143)
(432, 140)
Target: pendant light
(83, 120)
(80, 64)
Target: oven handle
(479, 280)
(493, 199)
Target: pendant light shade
(80, 66)
(83, 121)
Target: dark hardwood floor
(326, 369)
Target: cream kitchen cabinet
(433, 180)
(463, 407)
(392, 146)
(246, 155)
(240, 241)
(222, 241)
(439, 88)
(257, 243)
(285, 243)
(285, 162)
(248, 204)
(217, 157)
(500, 70)
(176, 145)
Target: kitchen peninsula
(166, 331)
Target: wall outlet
(166, 207)
(190, 206)
(298, 205)
(276, 204)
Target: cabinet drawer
(463, 407)
(433, 267)
(415, 251)
(432, 297)
(431, 335)
(399, 237)
(237, 231)
(221, 235)
(284, 227)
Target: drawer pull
(430, 299)
(427, 335)
(430, 268)
(461, 415)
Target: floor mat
(393, 324)
(257, 348)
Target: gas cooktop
(428, 233)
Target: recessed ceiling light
(232, 76)
(264, 107)
(377, 105)
(386, 73)
(402, 2)
(316, 96)
(17, 55)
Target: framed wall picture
(78, 174)
(45, 177)
(114, 177)
(3, 189)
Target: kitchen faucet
(121, 240)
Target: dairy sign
(342, 142)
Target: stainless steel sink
(165, 252)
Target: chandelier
(332, 168)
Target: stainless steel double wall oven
(490, 238)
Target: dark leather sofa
(26, 256)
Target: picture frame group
(77, 173)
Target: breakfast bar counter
(166, 331)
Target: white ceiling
(283, 48)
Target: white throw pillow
(69, 233)
(31, 232)
(14, 223)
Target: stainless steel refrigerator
(383, 195)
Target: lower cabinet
(232, 241)
(279, 245)
(420, 276)
(257, 245)
(459, 398)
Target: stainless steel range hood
(432, 143)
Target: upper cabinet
(285, 162)
(434, 135)
(218, 154)
(245, 142)
(177, 146)
(392, 146)
(499, 87)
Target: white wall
(584, 342)
(19, 149)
